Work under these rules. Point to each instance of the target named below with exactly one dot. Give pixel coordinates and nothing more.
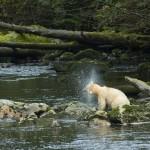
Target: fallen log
(20, 53)
(42, 46)
(132, 41)
(141, 85)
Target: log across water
(132, 41)
(141, 85)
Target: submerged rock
(100, 118)
(99, 122)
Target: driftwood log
(141, 85)
(132, 41)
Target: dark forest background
(86, 15)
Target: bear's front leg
(102, 104)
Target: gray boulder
(79, 110)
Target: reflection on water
(74, 136)
(42, 84)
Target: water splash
(93, 76)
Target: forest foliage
(85, 15)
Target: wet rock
(144, 70)
(60, 107)
(55, 123)
(127, 89)
(22, 111)
(6, 102)
(132, 113)
(79, 111)
(66, 56)
(124, 58)
(6, 112)
(36, 107)
(100, 118)
(101, 114)
(99, 122)
(51, 56)
(84, 64)
(88, 53)
(116, 52)
(42, 123)
(62, 66)
(5, 65)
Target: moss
(120, 38)
(16, 37)
(115, 116)
(132, 113)
(135, 113)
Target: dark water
(42, 84)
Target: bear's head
(93, 88)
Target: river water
(37, 83)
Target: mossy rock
(79, 111)
(88, 53)
(144, 70)
(132, 114)
(128, 89)
(124, 58)
(66, 56)
(77, 66)
(115, 116)
(51, 56)
(116, 52)
(62, 66)
(88, 65)
(25, 111)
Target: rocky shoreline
(21, 112)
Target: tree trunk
(141, 85)
(42, 46)
(132, 41)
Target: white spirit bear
(108, 96)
